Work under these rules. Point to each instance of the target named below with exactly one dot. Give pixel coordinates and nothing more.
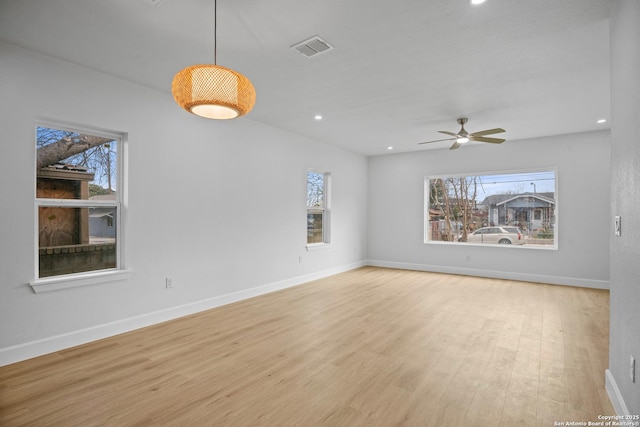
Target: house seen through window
(78, 200)
(515, 208)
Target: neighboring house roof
(101, 214)
(535, 196)
(67, 167)
(500, 199)
(104, 197)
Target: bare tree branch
(66, 147)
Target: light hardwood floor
(370, 347)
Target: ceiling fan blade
(448, 133)
(437, 140)
(484, 139)
(487, 132)
(455, 146)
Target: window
(318, 213)
(78, 201)
(515, 208)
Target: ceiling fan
(463, 136)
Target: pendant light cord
(215, 32)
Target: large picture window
(509, 209)
(318, 207)
(78, 200)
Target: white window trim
(553, 247)
(326, 226)
(120, 272)
(312, 247)
(67, 281)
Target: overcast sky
(516, 183)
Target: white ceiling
(400, 71)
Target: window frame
(556, 216)
(325, 211)
(91, 277)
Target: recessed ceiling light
(389, 148)
(477, 1)
(318, 117)
(601, 121)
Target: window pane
(73, 240)
(511, 208)
(74, 165)
(315, 190)
(315, 226)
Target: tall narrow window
(78, 200)
(318, 213)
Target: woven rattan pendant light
(213, 91)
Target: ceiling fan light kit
(462, 136)
(213, 91)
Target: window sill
(550, 247)
(317, 246)
(76, 280)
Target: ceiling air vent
(312, 47)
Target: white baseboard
(614, 394)
(55, 343)
(525, 277)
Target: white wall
(396, 209)
(624, 339)
(218, 206)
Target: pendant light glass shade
(213, 91)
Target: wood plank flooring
(370, 347)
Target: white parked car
(505, 235)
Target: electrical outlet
(632, 368)
(168, 283)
